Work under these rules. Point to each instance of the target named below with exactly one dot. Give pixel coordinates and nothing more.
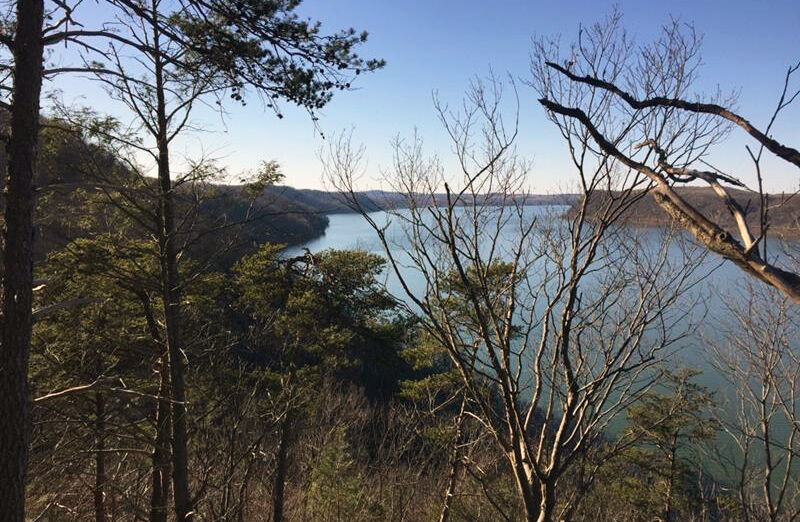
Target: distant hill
(784, 213)
(73, 175)
(71, 194)
(374, 200)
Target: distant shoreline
(783, 217)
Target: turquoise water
(719, 284)
(720, 280)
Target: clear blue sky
(439, 45)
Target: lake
(722, 283)
(723, 280)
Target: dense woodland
(163, 358)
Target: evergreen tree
(658, 476)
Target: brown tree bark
(100, 458)
(18, 259)
(281, 469)
(170, 293)
(170, 287)
(159, 494)
(455, 467)
(161, 450)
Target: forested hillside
(75, 178)
(782, 210)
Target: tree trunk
(668, 515)
(100, 458)
(161, 454)
(538, 497)
(170, 288)
(159, 497)
(18, 259)
(455, 466)
(172, 317)
(547, 503)
(281, 468)
(529, 489)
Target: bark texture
(18, 259)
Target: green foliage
(320, 314)
(440, 378)
(493, 283)
(436, 374)
(681, 414)
(237, 41)
(97, 335)
(113, 283)
(268, 174)
(660, 474)
(336, 484)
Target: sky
(438, 46)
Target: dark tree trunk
(172, 317)
(170, 287)
(161, 450)
(100, 458)
(161, 476)
(18, 259)
(281, 468)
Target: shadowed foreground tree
(190, 49)
(314, 317)
(17, 319)
(562, 321)
(112, 348)
(224, 47)
(437, 392)
(92, 368)
(669, 429)
(661, 473)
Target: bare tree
(554, 326)
(758, 356)
(654, 81)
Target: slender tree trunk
(455, 466)
(281, 468)
(100, 458)
(764, 414)
(161, 476)
(668, 515)
(161, 451)
(169, 269)
(227, 497)
(18, 259)
(171, 294)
